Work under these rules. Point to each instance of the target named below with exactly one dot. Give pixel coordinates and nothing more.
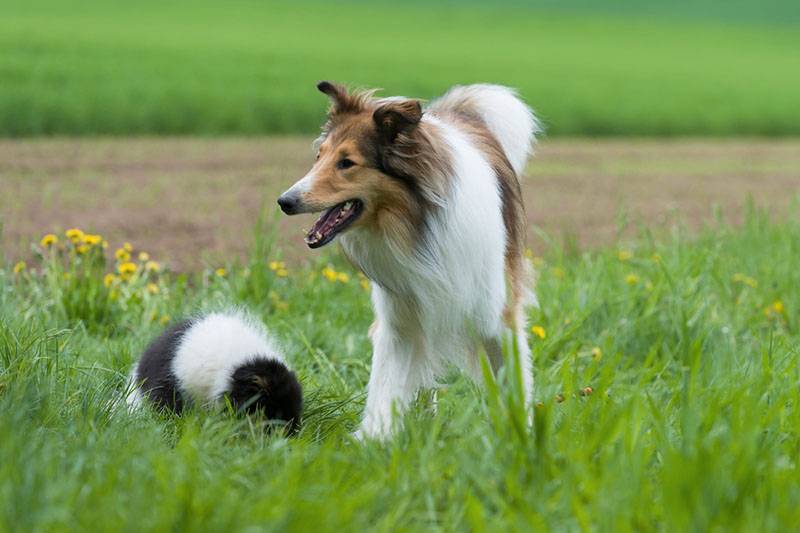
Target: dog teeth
(347, 206)
(318, 235)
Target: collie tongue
(327, 224)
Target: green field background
(202, 67)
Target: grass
(203, 67)
(690, 345)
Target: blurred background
(174, 122)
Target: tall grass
(667, 373)
(99, 68)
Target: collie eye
(344, 164)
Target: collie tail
(510, 120)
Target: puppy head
(355, 180)
(269, 387)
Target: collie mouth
(332, 222)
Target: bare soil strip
(193, 202)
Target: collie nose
(288, 203)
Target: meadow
(617, 68)
(667, 371)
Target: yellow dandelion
(624, 255)
(74, 234)
(277, 265)
(364, 284)
(221, 272)
(539, 331)
(631, 279)
(19, 267)
(48, 240)
(144, 256)
(165, 319)
(126, 270)
(777, 306)
(282, 273)
(108, 279)
(92, 240)
(597, 353)
(152, 266)
(122, 255)
(152, 288)
(128, 247)
(330, 274)
(343, 277)
(82, 248)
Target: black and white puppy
(204, 360)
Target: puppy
(207, 359)
(427, 203)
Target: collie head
(379, 166)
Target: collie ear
(336, 92)
(396, 117)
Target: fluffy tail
(508, 118)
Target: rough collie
(220, 355)
(427, 203)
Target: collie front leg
(397, 374)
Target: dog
(427, 203)
(216, 356)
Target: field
(203, 67)
(689, 344)
(193, 202)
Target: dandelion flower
(128, 247)
(597, 353)
(624, 255)
(74, 234)
(144, 256)
(48, 240)
(631, 279)
(165, 319)
(539, 331)
(122, 255)
(126, 270)
(343, 277)
(364, 284)
(82, 248)
(152, 266)
(277, 265)
(329, 274)
(282, 273)
(19, 267)
(92, 240)
(777, 306)
(108, 279)
(152, 288)
(220, 272)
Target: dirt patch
(195, 201)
